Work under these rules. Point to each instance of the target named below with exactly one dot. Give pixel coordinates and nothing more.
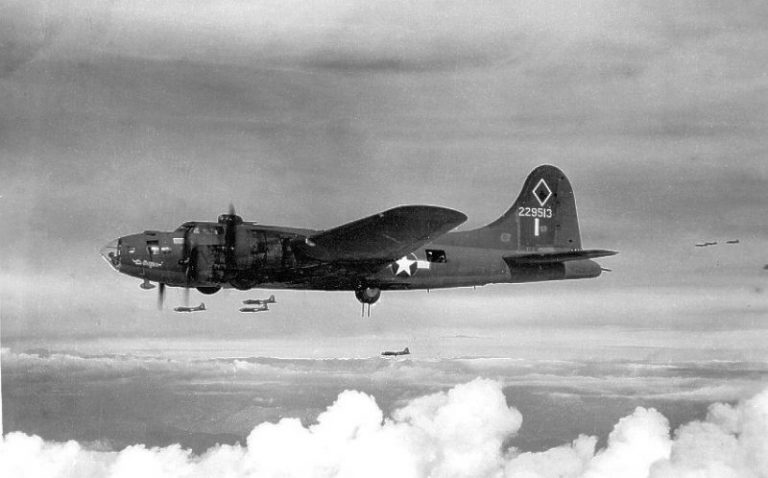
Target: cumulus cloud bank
(458, 433)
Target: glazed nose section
(111, 254)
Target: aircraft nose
(111, 254)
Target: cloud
(680, 381)
(603, 40)
(390, 35)
(635, 444)
(729, 443)
(458, 433)
(444, 434)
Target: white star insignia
(404, 265)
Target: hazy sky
(117, 117)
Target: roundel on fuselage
(405, 266)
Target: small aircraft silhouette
(263, 308)
(732, 241)
(405, 351)
(271, 300)
(182, 308)
(706, 244)
(403, 248)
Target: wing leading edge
(386, 236)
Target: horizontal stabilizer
(552, 257)
(386, 236)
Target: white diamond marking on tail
(541, 192)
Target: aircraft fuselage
(265, 258)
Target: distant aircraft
(706, 244)
(190, 309)
(403, 248)
(732, 241)
(405, 351)
(271, 300)
(263, 308)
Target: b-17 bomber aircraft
(261, 308)
(405, 351)
(270, 300)
(407, 247)
(182, 308)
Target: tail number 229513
(544, 212)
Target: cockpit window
(153, 247)
(111, 253)
(204, 229)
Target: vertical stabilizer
(542, 218)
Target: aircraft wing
(555, 256)
(386, 236)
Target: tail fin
(542, 218)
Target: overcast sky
(116, 117)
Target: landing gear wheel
(209, 290)
(367, 295)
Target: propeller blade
(191, 271)
(187, 258)
(230, 234)
(160, 296)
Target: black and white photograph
(412, 239)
